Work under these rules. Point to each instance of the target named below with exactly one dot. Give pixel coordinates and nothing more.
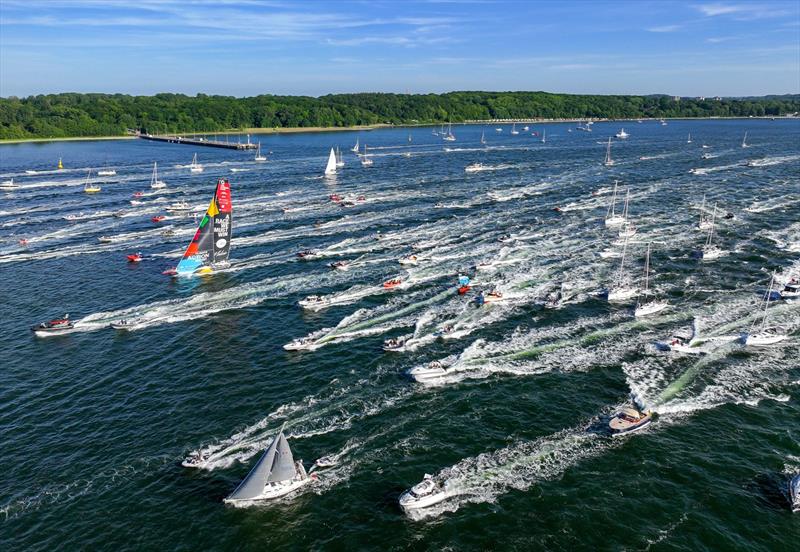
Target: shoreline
(297, 130)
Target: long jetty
(199, 141)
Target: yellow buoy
(60, 166)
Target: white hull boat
(794, 493)
(652, 307)
(424, 494)
(428, 373)
(763, 339)
(622, 293)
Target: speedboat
(706, 156)
(493, 296)
(424, 494)
(394, 344)
(8, 185)
(791, 289)
(393, 283)
(475, 167)
(104, 239)
(336, 198)
(179, 207)
(794, 493)
(410, 260)
(430, 372)
(327, 461)
(107, 173)
(57, 325)
(135, 258)
(300, 344)
(307, 255)
(73, 218)
(121, 324)
(168, 233)
(553, 300)
(276, 474)
(340, 265)
(158, 218)
(313, 302)
(463, 289)
(679, 345)
(119, 214)
(629, 420)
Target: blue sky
(249, 47)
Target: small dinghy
(276, 474)
(410, 260)
(158, 218)
(395, 344)
(794, 493)
(134, 258)
(340, 265)
(57, 325)
(629, 420)
(424, 494)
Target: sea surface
(94, 424)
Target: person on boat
(480, 299)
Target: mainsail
(275, 465)
(331, 168)
(211, 243)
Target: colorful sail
(212, 242)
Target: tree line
(74, 115)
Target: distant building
(701, 98)
(717, 99)
(676, 98)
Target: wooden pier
(199, 142)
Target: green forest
(75, 115)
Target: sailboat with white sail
(330, 168)
(259, 158)
(155, 183)
(339, 158)
(760, 334)
(483, 138)
(744, 141)
(449, 137)
(355, 148)
(612, 218)
(365, 160)
(211, 244)
(514, 129)
(645, 307)
(195, 167)
(276, 474)
(622, 135)
(689, 139)
(705, 222)
(622, 289)
(628, 229)
(608, 162)
(711, 251)
(544, 136)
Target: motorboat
(394, 344)
(424, 494)
(706, 156)
(105, 239)
(179, 207)
(276, 474)
(475, 167)
(622, 135)
(791, 289)
(629, 420)
(430, 372)
(410, 260)
(340, 265)
(57, 325)
(119, 214)
(393, 283)
(158, 218)
(327, 461)
(794, 492)
(553, 300)
(76, 217)
(462, 290)
(300, 344)
(168, 233)
(108, 172)
(313, 302)
(123, 324)
(308, 255)
(134, 258)
(8, 185)
(493, 296)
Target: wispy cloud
(718, 39)
(743, 11)
(665, 29)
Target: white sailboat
(612, 218)
(155, 183)
(544, 136)
(689, 139)
(330, 168)
(339, 159)
(622, 289)
(711, 251)
(483, 138)
(514, 129)
(355, 148)
(365, 160)
(744, 141)
(622, 135)
(195, 167)
(449, 137)
(259, 158)
(643, 306)
(628, 229)
(608, 162)
(760, 335)
(705, 222)
(276, 474)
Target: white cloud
(665, 29)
